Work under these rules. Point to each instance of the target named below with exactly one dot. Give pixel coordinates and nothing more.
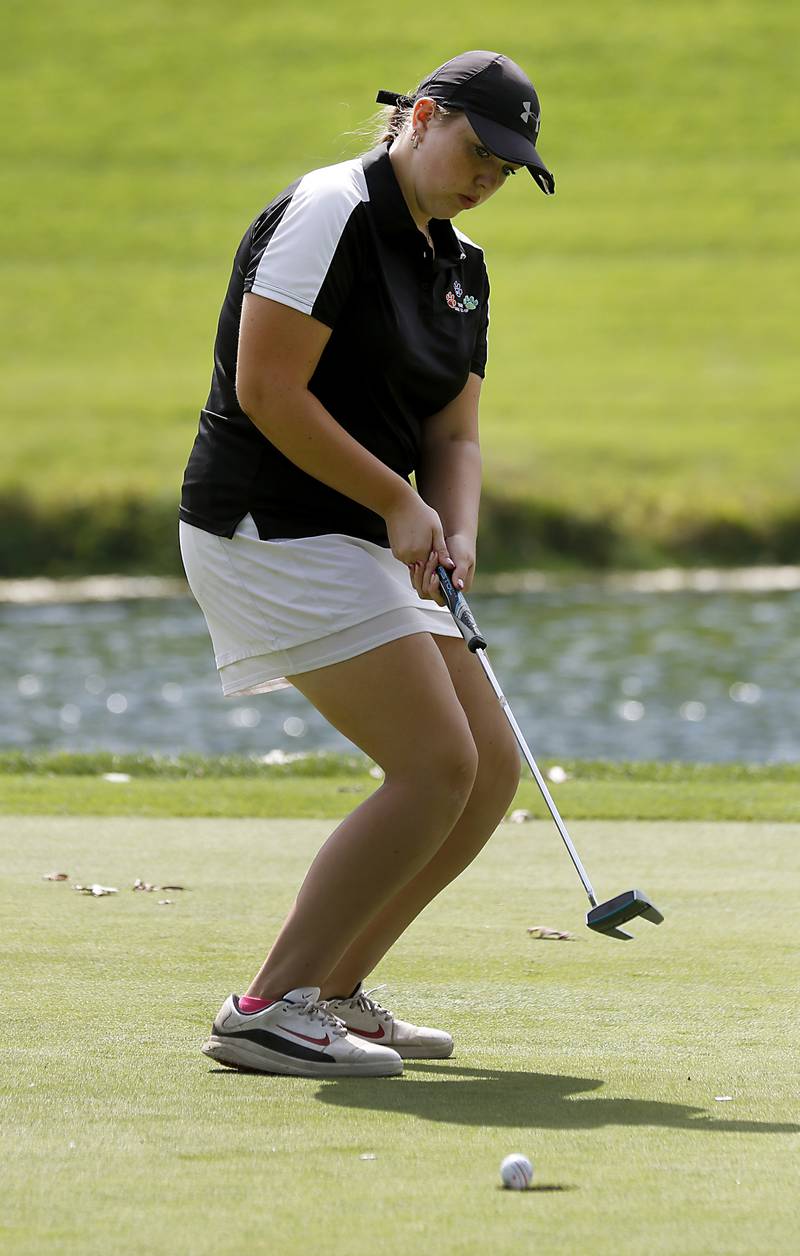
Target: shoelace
(319, 1011)
(366, 1004)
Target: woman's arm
(449, 474)
(279, 349)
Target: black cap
(500, 104)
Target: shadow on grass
(495, 1099)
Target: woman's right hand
(414, 530)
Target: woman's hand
(415, 530)
(462, 553)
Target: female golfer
(350, 352)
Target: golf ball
(516, 1172)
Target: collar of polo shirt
(393, 215)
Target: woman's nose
(487, 180)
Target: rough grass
(330, 785)
(642, 394)
(601, 1061)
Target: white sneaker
(370, 1022)
(295, 1035)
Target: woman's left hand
(425, 580)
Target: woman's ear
(422, 116)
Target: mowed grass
(642, 370)
(650, 1082)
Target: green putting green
(648, 1081)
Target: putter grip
(457, 605)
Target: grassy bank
(332, 785)
(642, 395)
(138, 534)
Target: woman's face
(453, 170)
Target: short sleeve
(306, 247)
(481, 350)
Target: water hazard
(590, 672)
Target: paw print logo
(455, 301)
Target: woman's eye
(484, 153)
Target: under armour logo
(528, 112)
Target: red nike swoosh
(318, 1042)
(372, 1033)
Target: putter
(603, 917)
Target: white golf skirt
(275, 609)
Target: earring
(414, 140)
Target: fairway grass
(601, 1061)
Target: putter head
(607, 917)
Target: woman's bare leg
(494, 789)
(398, 704)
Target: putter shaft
(537, 776)
(477, 644)
(603, 918)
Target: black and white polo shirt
(406, 330)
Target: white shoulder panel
(296, 261)
(466, 240)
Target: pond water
(589, 673)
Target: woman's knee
(444, 767)
(457, 765)
(498, 775)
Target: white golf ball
(516, 1172)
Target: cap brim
(509, 146)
